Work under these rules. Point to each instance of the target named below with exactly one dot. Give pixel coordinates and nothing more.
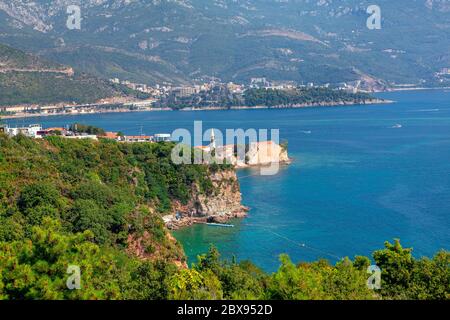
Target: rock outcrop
(223, 204)
(254, 154)
(265, 153)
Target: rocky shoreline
(175, 224)
(220, 206)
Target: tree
(210, 261)
(190, 284)
(87, 215)
(236, 281)
(38, 194)
(36, 268)
(295, 283)
(150, 281)
(431, 278)
(346, 282)
(396, 266)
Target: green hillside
(12, 58)
(27, 79)
(47, 88)
(81, 202)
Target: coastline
(99, 111)
(185, 222)
(126, 110)
(241, 212)
(295, 106)
(414, 89)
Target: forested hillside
(298, 97)
(27, 79)
(15, 59)
(80, 202)
(262, 97)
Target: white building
(81, 137)
(140, 138)
(163, 137)
(32, 131)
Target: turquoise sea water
(356, 180)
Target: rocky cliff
(223, 204)
(266, 153)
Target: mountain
(27, 79)
(183, 41)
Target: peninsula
(213, 197)
(98, 204)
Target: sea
(360, 176)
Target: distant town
(79, 131)
(210, 95)
(159, 92)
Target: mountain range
(187, 41)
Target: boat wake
(426, 110)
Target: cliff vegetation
(98, 205)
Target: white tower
(212, 144)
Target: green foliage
(431, 278)
(190, 284)
(82, 128)
(95, 204)
(221, 97)
(46, 88)
(272, 97)
(32, 80)
(243, 281)
(319, 281)
(151, 281)
(13, 58)
(346, 282)
(101, 186)
(396, 264)
(404, 277)
(36, 268)
(36, 195)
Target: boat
(397, 126)
(220, 225)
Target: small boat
(220, 225)
(397, 126)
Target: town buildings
(141, 138)
(163, 137)
(37, 131)
(32, 131)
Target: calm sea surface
(357, 180)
